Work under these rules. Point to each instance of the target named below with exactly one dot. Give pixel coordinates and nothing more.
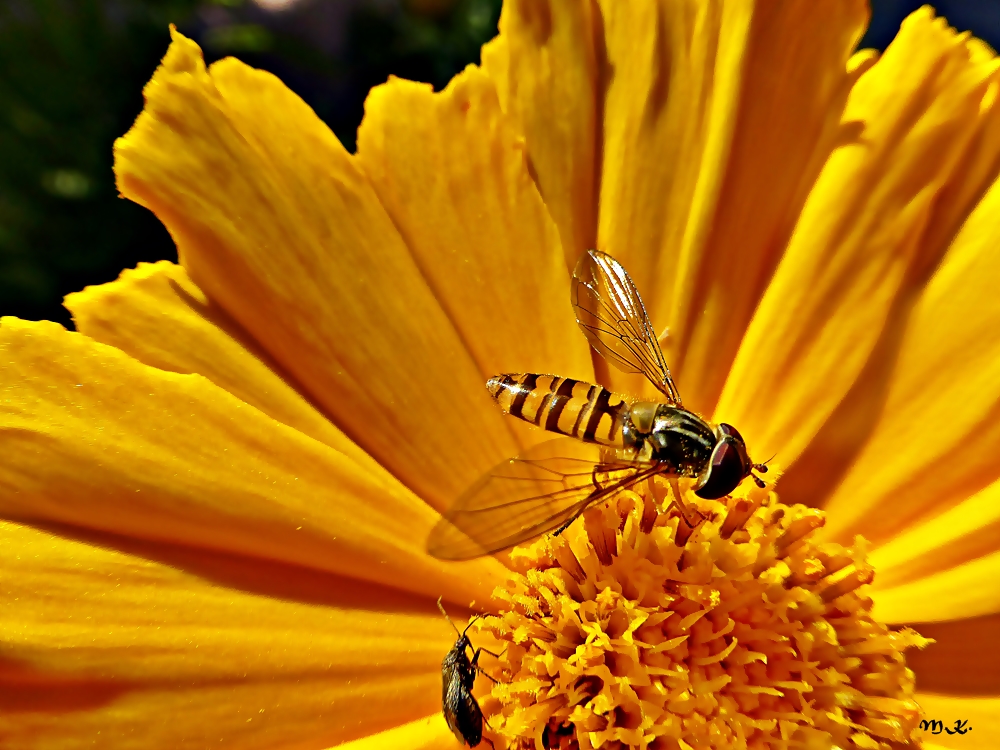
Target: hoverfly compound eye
(724, 472)
(728, 430)
(728, 433)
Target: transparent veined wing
(541, 490)
(611, 314)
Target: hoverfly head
(728, 466)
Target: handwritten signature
(935, 726)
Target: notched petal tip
(267, 209)
(544, 65)
(883, 208)
(183, 55)
(95, 294)
(451, 171)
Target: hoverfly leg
(681, 505)
(561, 529)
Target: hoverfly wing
(540, 490)
(611, 314)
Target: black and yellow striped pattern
(563, 405)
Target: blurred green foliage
(71, 78)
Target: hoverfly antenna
(762, 467)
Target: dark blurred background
(71, 78)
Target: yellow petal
(794, 84)
(867, 237)
(963, 660)
(279, 227)
(668, 117)
(90, 437)
(114, 649)
(544, 65)
(428, 733)
(937, 435)
(966, 590)
(452, 174)
(156, 314)
(969, 530)
(84, 610)
(231, 715)
(980, 713)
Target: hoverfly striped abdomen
(569, 407)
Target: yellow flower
(215, 497)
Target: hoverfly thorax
(668, 434)
(608, 444)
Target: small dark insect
(609, 443)
(458, 675)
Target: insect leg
(579, 512)
(483, 672)
(565, 526)
(681, 505)
(602, 492)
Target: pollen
(722, 626)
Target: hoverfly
(458, 676)
(609, 443)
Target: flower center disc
(723, 626)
